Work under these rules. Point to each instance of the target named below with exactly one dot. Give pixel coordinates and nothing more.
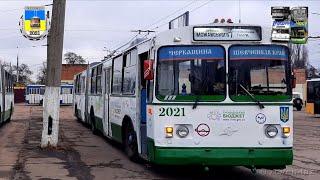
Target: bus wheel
(93, 123)
(11, 108)
(76, 113)
(130, 142)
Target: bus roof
(35, 85)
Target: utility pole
(18, 65)
(51, 104)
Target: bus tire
(93, 123)
(130, 142)
(76, 113)
(11, 108)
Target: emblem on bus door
(284, 114)
(203, 130)
(261, 118)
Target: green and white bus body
(66, 94)
(7, 97)
(221, 95)
(35, 93)
(79, 95)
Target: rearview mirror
(148, 73)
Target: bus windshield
(189, 73)
(263, 70)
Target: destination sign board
(176, 53)
(261, 52)
(227, 33)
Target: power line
(192, 10)
(163, 18)
(126, 42)
(16, 9)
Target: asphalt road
(82, 155)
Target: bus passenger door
(106, 119)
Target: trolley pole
(50, 132)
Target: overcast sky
(92, 26)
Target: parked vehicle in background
(7, 97)
(35, 94)
(313, 96)
(297, 100)
(66, 94)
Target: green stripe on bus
(260, 157)
(6, 114)
(220, 104)
(193, 98)
(98, 123)
(262, 98)
(116, 132)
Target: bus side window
(93, 81)
(129, 74)
(82, 84)
(98, 80)
(117, 75)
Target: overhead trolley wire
(167, 16)
(192, 10)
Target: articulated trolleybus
(216, 94)
(7, 97)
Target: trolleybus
(66, 94)
(35, 94)
(215, 94)
(7, 97)
(313, 96)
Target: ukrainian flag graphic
(35, 20)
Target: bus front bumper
(258, 157)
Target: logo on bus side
(232, 116)
(284, 114)
(261, 118)
(203, 130)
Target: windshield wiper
(252, 97)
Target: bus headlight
(182, 131)
(286, 131)
(271, 131)
(169, 132)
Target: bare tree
(24, 73)
(23, 70)
(73, 58)
(299, 55)
(42, 74)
